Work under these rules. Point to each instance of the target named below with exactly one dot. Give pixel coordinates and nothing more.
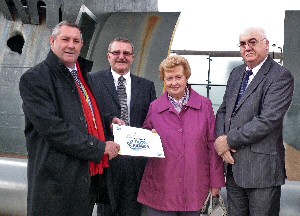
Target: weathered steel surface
(13, 186)
(68, 9)
(25, 27)
(291, 61)
(12, 66)
(150, 33)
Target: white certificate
(137, 141)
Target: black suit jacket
(59, 149)
(142, 94)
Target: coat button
(91, 143)
(86, 179)
(81, 118)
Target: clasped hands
(223, 149)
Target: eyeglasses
(125, 53)
(251, 43)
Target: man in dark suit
(125, 174)
(67, 150)
(249, 128)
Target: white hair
(254, 30)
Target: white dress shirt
(255, 70)
(127, 85)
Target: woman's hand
(215, 192)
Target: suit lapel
(258, 78)
(135, 90)
(235, 91)
(110, 85)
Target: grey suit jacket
(255, 128)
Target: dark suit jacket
(255, 129)
(142, 94)
(59, 150)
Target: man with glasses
(249, 128)
(126, 96)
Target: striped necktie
(84, 92)
(244, 85)
(121, 90)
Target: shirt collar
(116, 76)
(256, 69)
(70, 69)
(181, 102)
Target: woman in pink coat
(179, 183)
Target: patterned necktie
(244, 85)
(84, 92)
(121, 90)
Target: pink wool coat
(181, 180)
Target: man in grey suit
(125, 174)
(249, 128)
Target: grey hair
(120, 39)
(173, 61)
(56, 29)
(254, 30)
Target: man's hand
(221, 145)
(111, 149)
(117, 121)
(227, 157)
(223, 149)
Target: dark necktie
(244, 85)
(121, 89)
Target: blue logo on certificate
(136, 143)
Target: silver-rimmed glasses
(125, 53)
(251, 43)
